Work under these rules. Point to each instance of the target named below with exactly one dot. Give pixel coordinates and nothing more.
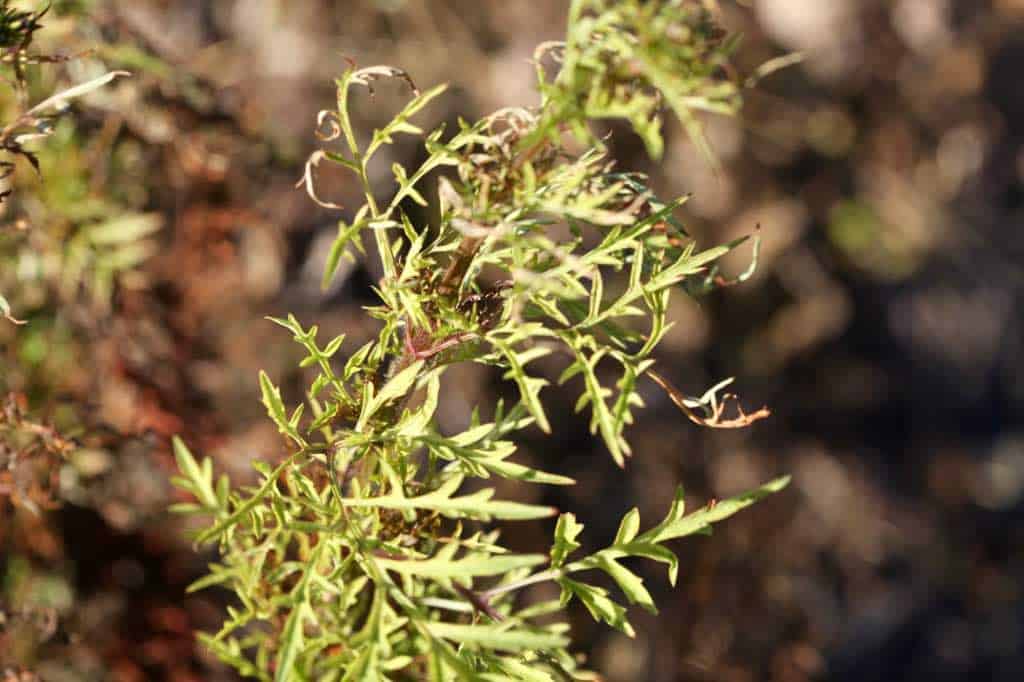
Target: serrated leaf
(630, 583)
(600, 606)
(201, 478)
(566, 531)
(397, 387)
(276, 409)
(529, 387)
(701, 520)
(482, 459)
(688, 265)
(649, 550)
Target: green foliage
(17, 27)
(366, 553)
(67, 238)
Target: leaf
(62, 98)
(293, 642)
(654, 552)
(601, 420)
(715, 409)
(526, 474)
(488, 457)
(478, 505)
(218, 575)
(200, 479)
(629, 527)
(468, 567)
(276, 409)
(519, 671)
(630, 583)
(309, 182)
(244, 508)
(346, 234)
(529, 387)
(498, 637)
(600, 606)
(687, 265)
(272, 400)
(771, 66)
(566, 531)
(701, 520)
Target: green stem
(543, 576)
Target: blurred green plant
(56, 238)
(370, 551)
(64, 237)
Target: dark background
(882, 328)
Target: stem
(380, 236)
(543, 576)
(550, 574)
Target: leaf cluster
(370, 551)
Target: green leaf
(218, 575)
(600, 606)
(529, 387)
(497, 637)
(630, 583)
(347, 234)
(654, 552)
(481, 459)
(566, 531)
(365, 669)
(468, 567)
(199, 478)
(519, 671)
(700, 521)
(397, 387)
(602, 420)
(292, 642)
(478, 505)
(248, 505)
(687, 265)
(276, 409)
(629, 527)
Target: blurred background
(883, 327)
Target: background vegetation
(883, 326)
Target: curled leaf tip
(333, 130)
(307, 179)
(714, 416)
(366, 76)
